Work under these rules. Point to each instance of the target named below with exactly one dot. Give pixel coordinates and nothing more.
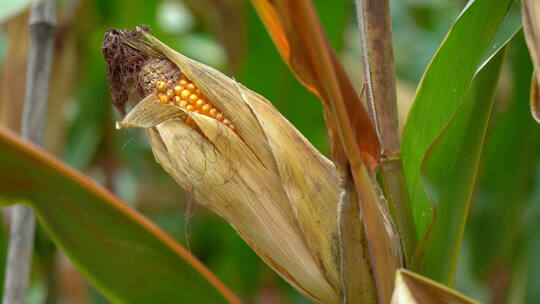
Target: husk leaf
(358, 283)
(412, 288)
(310, 179)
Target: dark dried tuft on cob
(124, 62)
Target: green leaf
(441, 92)
(129, 259)
(449, 171)
(531, 28)
(510, 26)
(505, 184)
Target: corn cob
(185, 95)
(133, 64)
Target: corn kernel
(193, 98)
(164, 99)
(161, 85)
(178, 90)
(185, 94)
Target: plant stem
(376, 38)
(356, 269)
(21, 238)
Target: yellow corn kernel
(161, 85)
(164, 99)
(178, 90)
(185, 94)
(193, 99)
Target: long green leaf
(443, 87)
(449, 171)
(508, 29)
(129, 259)
(531, 27)
(441, 92)
(506, 181)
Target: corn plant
(380, 221)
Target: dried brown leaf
(303, 44)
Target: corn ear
(264, 177)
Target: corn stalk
(376, 40)
(42, 29)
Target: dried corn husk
(265, 179)
(412, 288)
